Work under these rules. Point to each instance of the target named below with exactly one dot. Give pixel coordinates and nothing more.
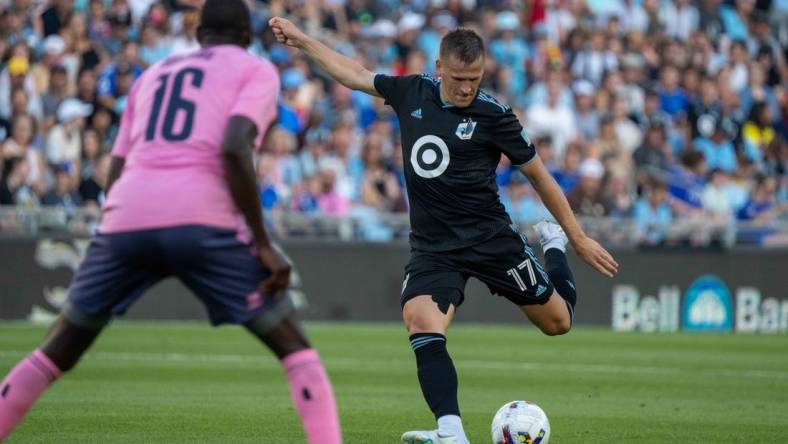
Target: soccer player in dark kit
(453, 135)
(182, 201)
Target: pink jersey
(171, 132)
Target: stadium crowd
(654, 111)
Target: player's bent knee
(556, 327)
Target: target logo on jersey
(429, 156)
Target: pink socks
(309, 387)
(313, 397)
(22, 387)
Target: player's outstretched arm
(555, 201)
(239, 173)
(343, 69)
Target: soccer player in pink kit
(183, 202)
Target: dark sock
(437, 376)
(561, 276)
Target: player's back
(171, 134)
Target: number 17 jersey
(171, 133)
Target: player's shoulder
(410, 80)
(488, 104)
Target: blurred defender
(453, 135)
(182, 186)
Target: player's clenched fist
(286, 32)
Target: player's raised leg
(309, 385)
(555, 316)
(427, 319)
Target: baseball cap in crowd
(507, 21)
(71, 109)
(583, 87)
(443, 21)
(410, 21)
(381, 28)
(292, 78)
(54, 45)
(591, 168)
(18, 66)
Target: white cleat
(551, 235)
(428, 437)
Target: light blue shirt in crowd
(722, 155)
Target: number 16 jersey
(171, 133)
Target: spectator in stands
(552, 118)
(186, 40)
(586, 199)
(305, 198)
(652, 215)
(56, 16)
(13, 179)
(758, 132)
(16, 76)
(91, 189)
(686, 182)
(57, 91)
(20, 144)
(153, 47)
(63, 194)
(653, 155)
(91, 153)
(53, 49)
(86, 52)
(592, 62)
(379, 187)
(716, 197)
(680, 18)
(717, 150)
(87, 87)
(763, 206)
(64, 143)
(568, 175)
(585, 115)
(330, 201)
(672, 98)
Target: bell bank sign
(707, 305)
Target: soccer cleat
(551, 235)
(428, 437)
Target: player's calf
(310, 388)
(552, 317)
(553, 241)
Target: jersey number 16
(176, 103)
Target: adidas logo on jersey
(540, 289)
(416, 114)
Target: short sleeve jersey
(171, 133)
(450, 157)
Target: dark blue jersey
(450, 156)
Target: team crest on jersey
(465, 129)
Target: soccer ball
(520, 422)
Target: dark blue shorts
(222, 271)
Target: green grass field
(187, 383)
